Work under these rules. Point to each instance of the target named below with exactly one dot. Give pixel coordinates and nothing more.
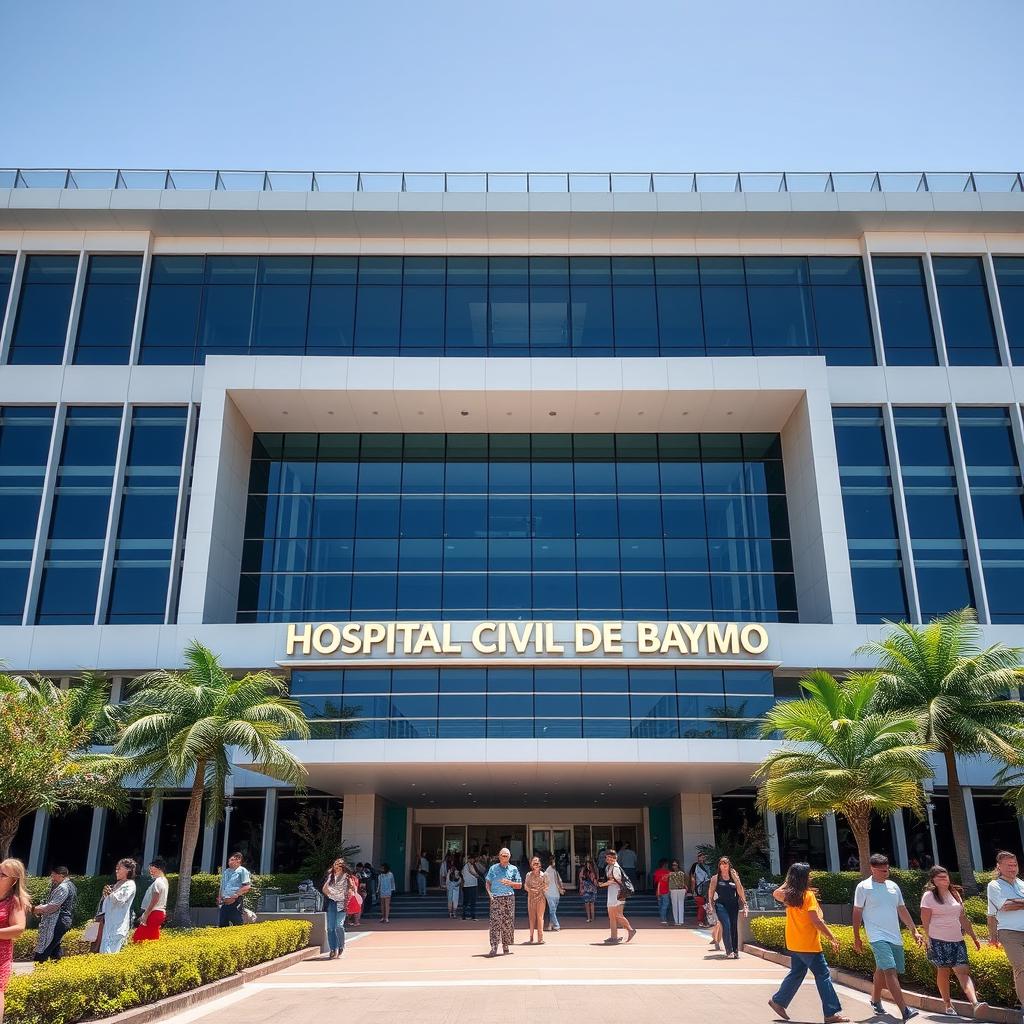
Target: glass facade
(541, 703)
(514, 526)
(933, 510)
(24, 448)
(966, 312)
(149, 507)
(993, 473)
(907, 331)
(1010, 281)
(6, 276)
(78, 519)
(873, 537)
(44, 306)
(508, 305)
(107, 320)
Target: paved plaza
(439, 975)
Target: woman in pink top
(945, 923)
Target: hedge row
(204, 890)
(838, 886)
(98, 986)
(990, 968)
(70, 945)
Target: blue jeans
(799, 965)
(421, 882)
(553, 909)
(729, 916)
(335, 927)
(664, 902)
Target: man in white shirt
(422, 867)
(554, 892)
(470, 887)
(628, 861)
(879, 904)
(1006, 916)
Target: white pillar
(38, 847)
(899, 839)
(99, 822)
(771, 827)
(206, 858)
(698, 823)
(152, 832)
(269, 829)
(832, 843)
(648, 866)
(972, 828)
(363, 820)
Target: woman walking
(385, 890)
(677, 892)
(587, 888)
(116, 907)
(154, 904)
(536, 886)
(805, 926)
(501, 883)
(336, 890)
(453, 883)
(14, 906)
(945, 922)
(728, 899)
(616, 907)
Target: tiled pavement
(440, 976)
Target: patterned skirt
(588, 891)
(947, 954)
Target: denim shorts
(889, 956)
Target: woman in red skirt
(154, 904)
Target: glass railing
(519, 181)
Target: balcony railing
(516, 182)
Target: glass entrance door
(455, 841)
(554, 841)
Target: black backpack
(626, 887)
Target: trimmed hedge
(204, 890)
(990, 968)
(838, 886)
(100, 985)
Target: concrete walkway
(441, 976)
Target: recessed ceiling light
(685, 413)
(420, 412)
(729, 413)
(375, 413)
(330, 412)
(284, 412)
(597, 414)
(464, 412)
(508, 414)
(640, 413)
(552, 413)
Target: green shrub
(990, 968)
(98, 986)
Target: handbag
(92, 931)
(710, 917)
(355, 903)
(248, 916)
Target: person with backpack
(805, 926)
(700, 880)
(56, 915)
(619, 888)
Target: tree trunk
(859, 821)
(8, 830)
(958, 816)
(190, 836)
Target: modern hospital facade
(539, 489)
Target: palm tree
(179, 727)
(961, 695)
(47, 755)
(841, 755)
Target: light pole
(930, 808)
(228, 807)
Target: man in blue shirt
(502, 881)
(234, 884)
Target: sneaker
(909, 1013)
(950, 1012)
(877, 1007)
(980, 1009)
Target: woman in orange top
(804, 927)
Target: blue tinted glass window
(634, 305)
(1010, 279)
(24, 448)
(723, 295)
(6, 276)
(903, 309)
(781, 315)
(933, 509)
(869, 508)
(107, 319)
(841, 310)
(966, 312)
(997, 499)
(281, 308)
(172, 310)
(78, 518)
(591, 293)
(41, 321)
(226, 316)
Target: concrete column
(206, 857)
(269, 830)
(832, 843)
(771, 827)
(364, 824)
(899, 839)
(152, 831)
(648, 866)
(99, 822)
(38, 847)
(698, 823)
(972, 828)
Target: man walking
(470, 888)
(234, 884)
(422, 867)
(502, 881)
(879, 904)
(55, 915)
(1006, 916)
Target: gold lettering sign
(527, 638)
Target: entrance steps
(407, 906)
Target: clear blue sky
(481, 85)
